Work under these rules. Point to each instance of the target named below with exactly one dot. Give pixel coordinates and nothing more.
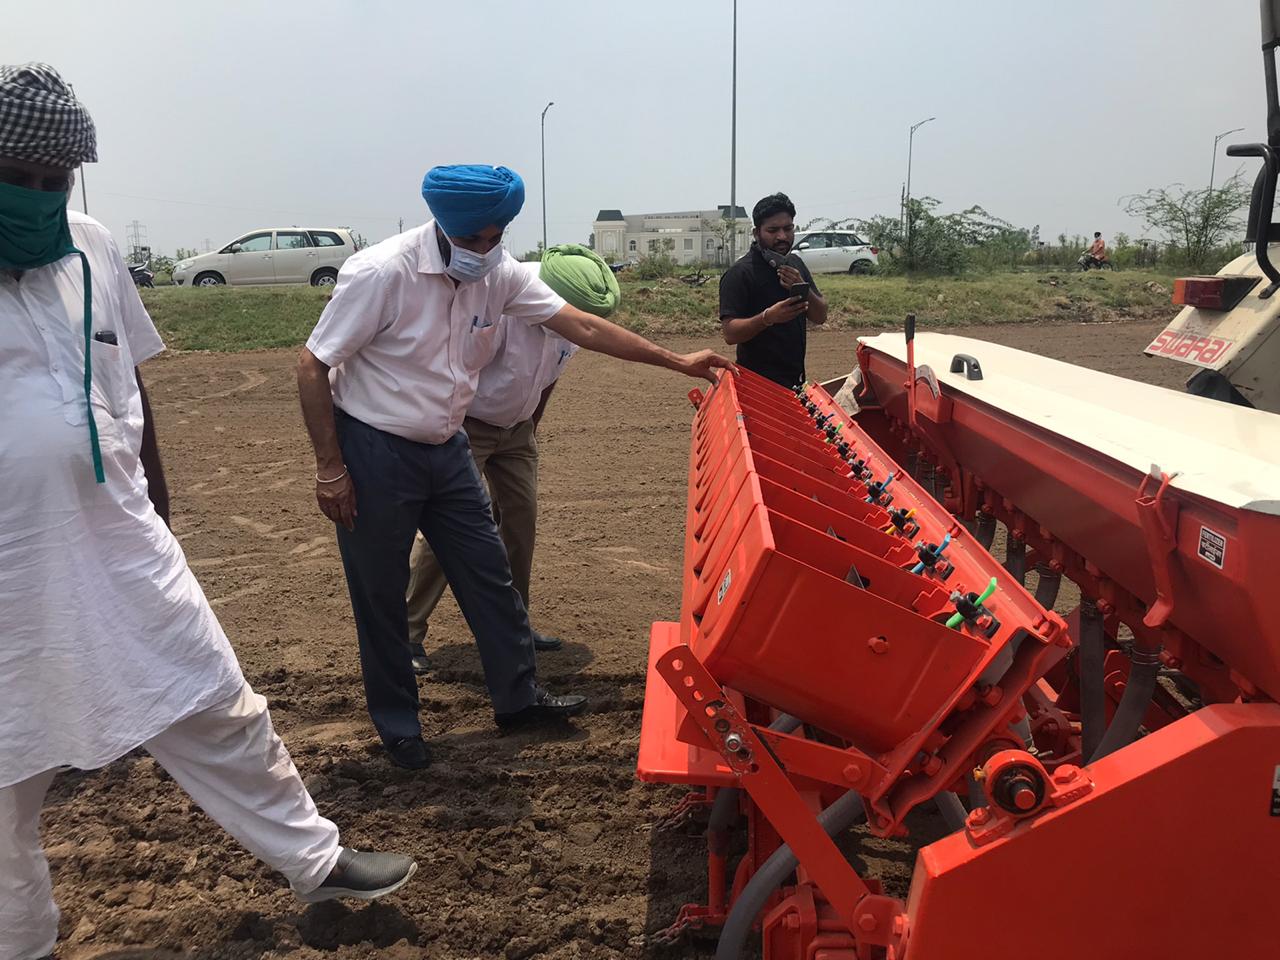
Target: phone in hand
(800, 290)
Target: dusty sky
(215, 119)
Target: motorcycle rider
(1098, 249)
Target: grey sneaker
(363, 876)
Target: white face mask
(465, 266)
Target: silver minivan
(272, 255)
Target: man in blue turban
(385, 381)
(466, 198)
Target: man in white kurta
(108, 642)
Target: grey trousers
(508, 459)
(403, 487)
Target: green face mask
(33, 228)
(34, 233)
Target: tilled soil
(530, 845)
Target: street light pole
(911, 137)
(1213, 166)
(544, 173)
(733, 149)
(84, 196)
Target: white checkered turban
(41, 121)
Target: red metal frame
(776, 515)
(1078, 510)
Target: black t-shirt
(750, 287)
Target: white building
(690, 236)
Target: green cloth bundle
(581, 277)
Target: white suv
(836, 251)
(272, 255)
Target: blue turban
(465, 198)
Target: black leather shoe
(363, 876)
(545, 707)
(419, 659)
(546, 643)
(410, 753)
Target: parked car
(272, 255)
(836, 251)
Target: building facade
(689, 236)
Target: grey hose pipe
(1093, 695)
(952, 810)
(725, 806)
(985, 529)
(1015, 558)
(1047, 586)
(940, 481)
(1144, 668)
(926, 477)
(836, 819)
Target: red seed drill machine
(849, 648)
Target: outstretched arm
(592, 333)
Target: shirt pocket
(112, 378)
(479, 346)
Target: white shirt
(529, 359)
(406, 344)
(106, 638)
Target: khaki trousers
(508, 460)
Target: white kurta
(106, 639)
(529, 359)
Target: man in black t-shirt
(757, 311)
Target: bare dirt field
(532, 845)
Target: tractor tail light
(1212, 293)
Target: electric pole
(136, 235)
(84, 196)
(1213, 166)
(733, 148)
(544, 174)
(911, 138)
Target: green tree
(721, 230)
(658, 262)
(1194, 222)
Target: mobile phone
(800, 290)
(107, 336)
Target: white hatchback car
(272, 255)
(836, 251)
